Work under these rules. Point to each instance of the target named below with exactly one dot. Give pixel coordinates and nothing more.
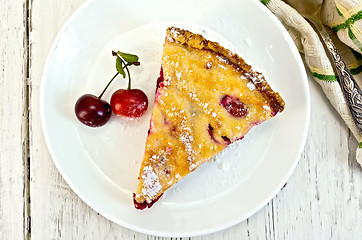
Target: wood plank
(322, 199)
(13, 119)
(57, 212)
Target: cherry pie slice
(207, 98)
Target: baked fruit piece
(207, 98)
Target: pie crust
(207, 98)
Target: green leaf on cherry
(130, 58)
(119, 67)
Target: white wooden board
(322, 199)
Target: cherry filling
(143, 205)
(160, 79)
(234, 106)
(226, 140)
(159, 83)
(211, 133)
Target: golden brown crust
(197, 41)
(275, 100)
(189, 125)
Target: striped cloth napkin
(343, 17)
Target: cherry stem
(125, 67)
(129, 75)
(109, 83)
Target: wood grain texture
(13, 119)
(322, 199)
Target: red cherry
(234, 106)
(92, 111)
(130, 103)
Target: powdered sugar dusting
(178, 75)
(205, 106)
(208, 65)
(174, 32)
(151, 183)
(255, 77)
(173, 35)
(251, 86)
(187, 139)
(266, 107)
(222, 59)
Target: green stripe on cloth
(328, 78)
(265, 2)
(354, 39)
(348, 22)
(339, 12)
(360, 145)
(357, 55)
(334, 78)
(356, 70)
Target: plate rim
(90, 203)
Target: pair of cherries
(128, 103)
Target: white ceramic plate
(101, 165)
